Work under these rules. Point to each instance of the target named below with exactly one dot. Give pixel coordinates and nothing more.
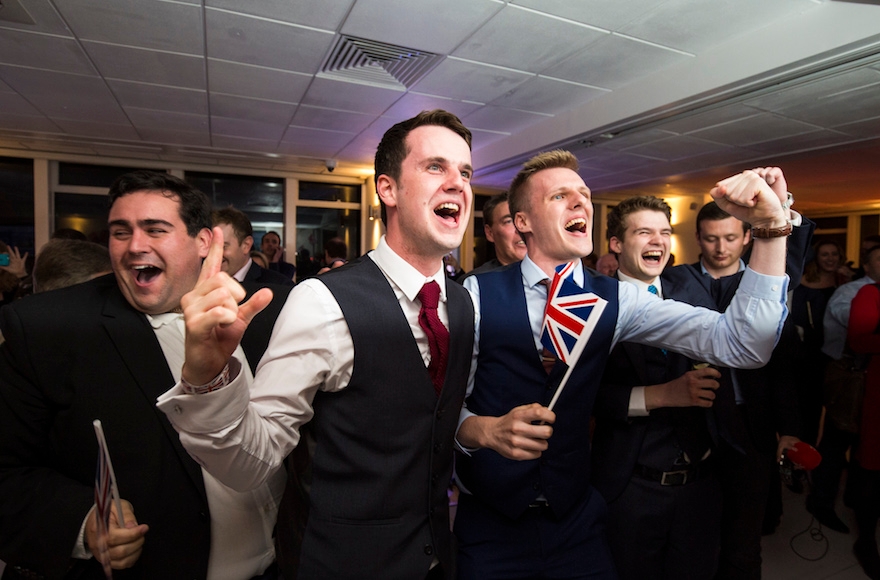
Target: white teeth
(140, 267)
(575, 223)
(449, 206)
(652, 254)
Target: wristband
(765, 233)
(216, 383)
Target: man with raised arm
(530, 510)
(374, 354)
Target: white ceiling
(642, 91)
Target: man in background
(238, 240)
(271, 246)
(61, 263)
(499, 229)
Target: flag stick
(114, 491)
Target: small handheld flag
(105, 487)
(570, 318)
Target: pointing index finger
(214, 259)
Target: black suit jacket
(260, 275)
(617, 439)
(72, 356)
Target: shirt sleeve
(741, 337)
(241, 433)
(473, 287)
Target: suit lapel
(137, 346)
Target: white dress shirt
(836, 318)
(743, 336)
(242, 433)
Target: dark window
(84, 213)
(17, 203)
(314, 226)
(92, 175)
(261, 198)
(317, 191)
(831, 223)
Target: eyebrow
(445, 161)
(141, 223)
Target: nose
(139, 242)
(455, 181)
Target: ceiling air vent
(13, 11)
(378, 64)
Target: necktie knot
(429, 295)
(653, 290)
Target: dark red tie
(548, 359)
(438, 335)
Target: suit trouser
(535, 545)
(745, 483)
(826, 477)
(658, 532)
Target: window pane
(92, 175)
(17, 203)
(329, 192)
(261, 198)
(831, 223)
(314, 226)
(83, 213)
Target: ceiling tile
(147, 66)
(865, 128)
(251, 40)
(149, 119)
(676, 148)
(684, 24)
(258, 82)
(512, 39)
(313, 142)
(627, 140)
(316, 13)
(320, 118)
(470, 81)
(607, 14)
(160, 98)
(614, 61)
(803, 142)
(437, 29)
(546, 95)
(246, 128)
(501, 120)
(808, 93)
(838, 109)
(15, 104)
(708, 118)
(43, 51)
(244, 144)
(174, 136)
(763, 127)
(353, 97)
(411, 104)
(252, 109)
(94, 129)
(482, 138)
(82, 98)
(170, 26)
(12, 121)
(45, 16)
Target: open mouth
(448, 211)
(577, 225)
(146, 274)
(653, 257)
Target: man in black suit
(660, 422)
(105, 350)
(238, 241)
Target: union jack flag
(570, 317)
(105, 491)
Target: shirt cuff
(464, 414)
(211, 411)
(762, 286)
(637, 405)
(81, 550)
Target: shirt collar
(244, 270)
(742, 266)
(157, 321)
(640, 284)
(533, 275)
(403, 274)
